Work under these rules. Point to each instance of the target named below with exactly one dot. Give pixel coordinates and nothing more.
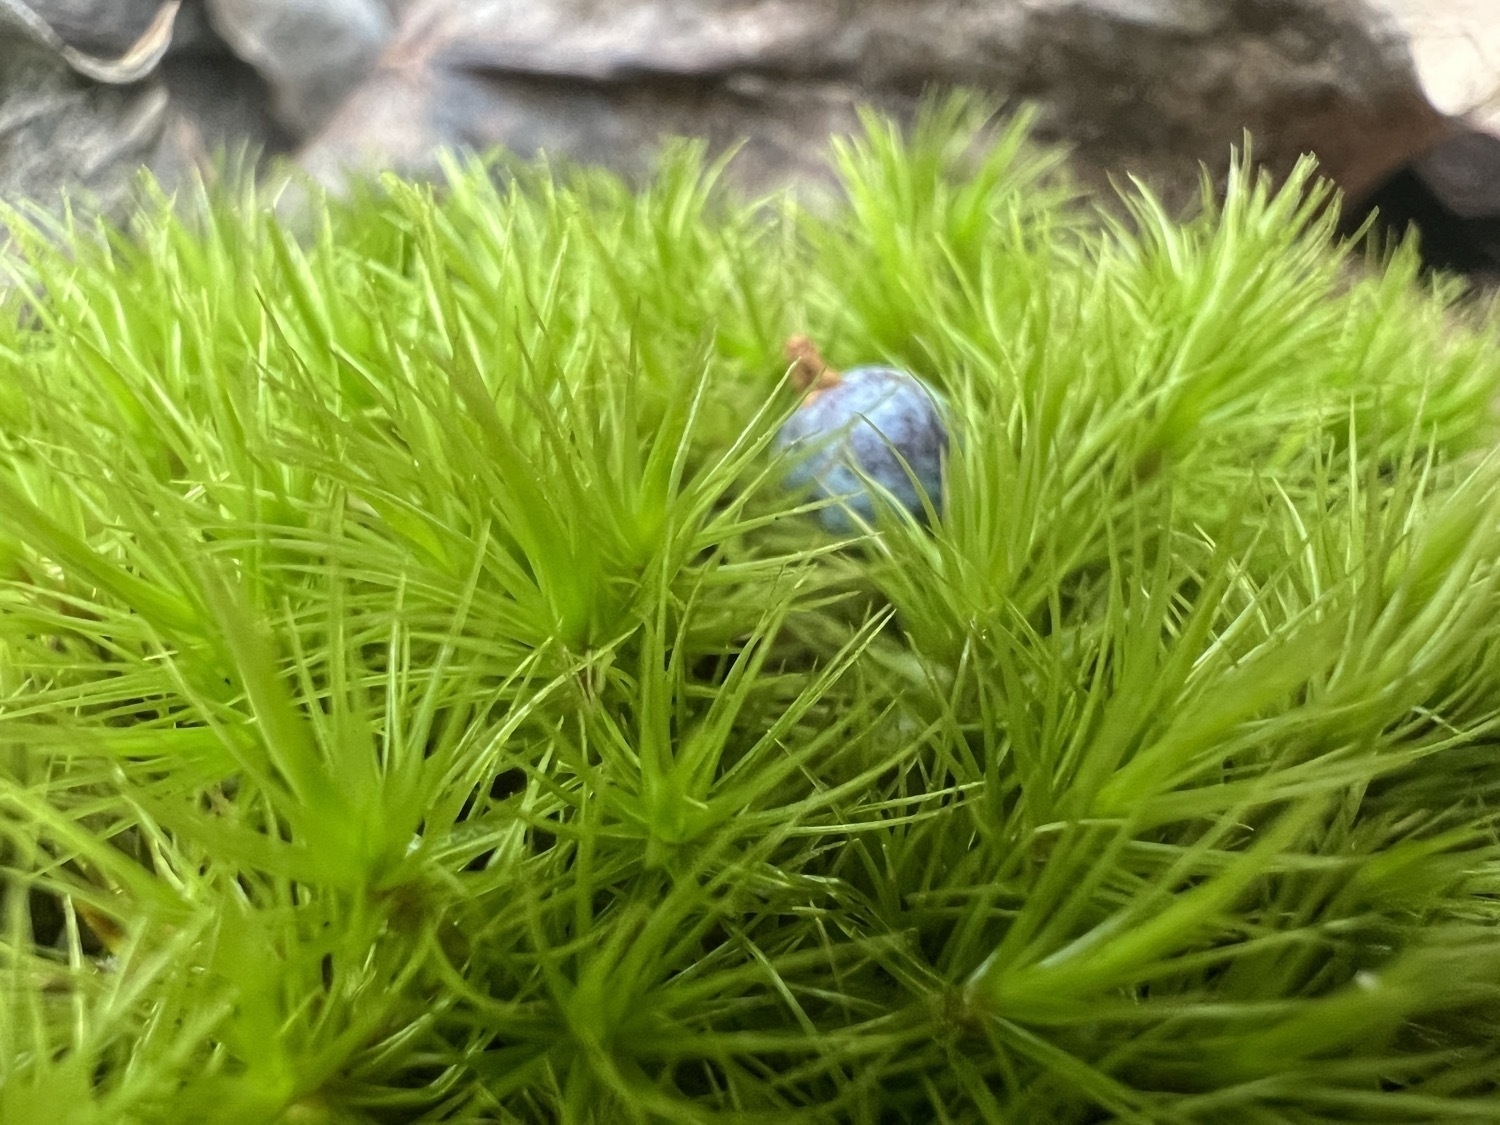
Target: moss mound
(420, 700)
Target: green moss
(419, 701)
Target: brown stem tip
(810, 373)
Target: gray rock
(100, 27)
(1146, 86)
(60, 131)
(1151, 87)
(132, 48)
(312, 53)
(86, 102)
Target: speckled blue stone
(867, 424)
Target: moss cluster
(420, 701)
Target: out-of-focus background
(1456, 45)
(1398, 98)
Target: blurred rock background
(1396, 97)
(1456, 44)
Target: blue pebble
(864, 426)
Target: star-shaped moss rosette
(860, 433)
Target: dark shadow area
(1450, 197)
